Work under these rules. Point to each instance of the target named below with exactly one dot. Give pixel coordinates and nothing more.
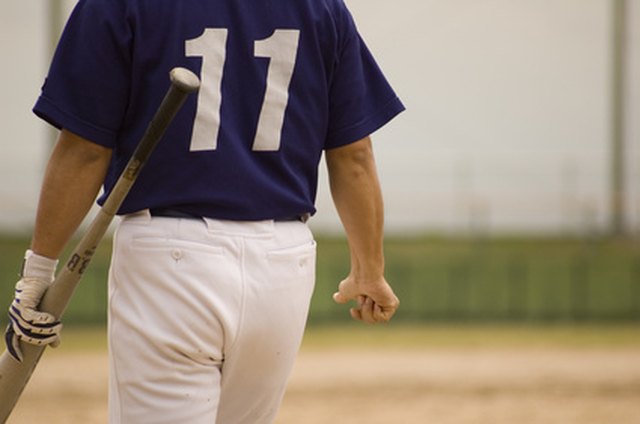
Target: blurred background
(511, 183)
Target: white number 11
(281, 48)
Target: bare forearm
(358, 200)
(72, 180)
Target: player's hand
(375, 299)
(27, 322)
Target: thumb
(340, 298)
(56, 342)
(345, 292)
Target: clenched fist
(375, 298)
(27, 322)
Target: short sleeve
(86, 90)
(361, 99)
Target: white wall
(507, 126)
(22, 143)
(632, 117)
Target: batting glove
(27, 322)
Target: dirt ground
(437, 385)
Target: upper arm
(80, 150)
(359, 152)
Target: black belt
(172, 213)
(176, 213)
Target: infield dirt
(420, 385)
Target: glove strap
(37, 266)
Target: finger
(35, 335)
(366, 311)
(32, 316)
(383, 314)
(356, 314)
(384, 311)
(24, 320)
(56, 342)
(36, 339)
(378, 313)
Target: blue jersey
(282, 80)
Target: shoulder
(337, 10)
(333, 5)
(94, 15)
(342, 19)
(334, 20)
(100, 6)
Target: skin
(75, 172)
(356, 193)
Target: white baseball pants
(205, 318)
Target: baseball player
(213, 263)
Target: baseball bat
(15, 375)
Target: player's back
(281, 81)
(258, 126)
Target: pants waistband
(176, 213)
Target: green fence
(505, 279)
(500, 279)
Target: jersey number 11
(281, 48)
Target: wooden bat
(14, 375)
